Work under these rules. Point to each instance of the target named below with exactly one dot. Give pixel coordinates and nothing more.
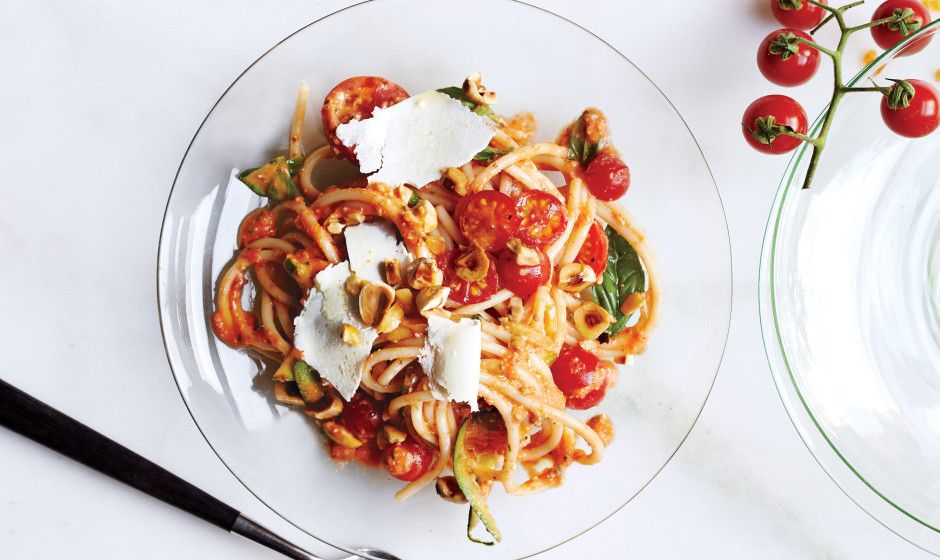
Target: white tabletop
(99, 101)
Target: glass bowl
(849, 299)
(536, 61)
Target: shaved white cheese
(318, 331)
(451, 359)
(412, 141)
(369, 244)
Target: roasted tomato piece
(355, 99)
(463, 291)
(487, 218)
(594, 250)
(541, 219)
(522, 279)
(406, 460)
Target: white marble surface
(98, 103)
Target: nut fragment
(603, 427)
(354, 284)
(390, 320)
(633, 303)
(424, 272)
(329, 406)
(448, 489)
(575, 277)
(335, 227)
(476, 91)
(591, 320)
(426, 216)
(399, 334)
(392, 271)
(393, 434)
(432, 297)
(375, 298)
(435, 244)
(524, 255)
(406, 299)
(338, 433)
(355, 218)
(350, 334)
(403, 193)
(473, 264)
(458, 179)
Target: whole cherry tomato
(764, 115)
(920, 117)
(463, 291)
(487, 218)
(355, 99)
(786, 62)
(542, 219)
(889, 34)
(607, 177)
(594, 249)
(578, 374)
(406, 460)
(362, 416)
(798, 14)
(522, 280)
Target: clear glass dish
(849, 299)
(536, 61)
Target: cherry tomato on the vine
(488, 218)
(355, 99)
(889, 34)
(786, 62)
(466, 292)
(807, 16)
(920, 117)
(607, 176)
(764, 116)
(541, 217)
(522, 280)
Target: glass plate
(849, 298)
(536, 61)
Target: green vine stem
(839, 89)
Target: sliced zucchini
(481, 442)
(308, 382)
(273, 179)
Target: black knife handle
(47, 426)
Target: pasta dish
(446, 310)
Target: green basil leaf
(489, 154)
(458, 94)
(579, 148)
(623, 276)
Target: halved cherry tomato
(889, 34)
(607, 177)
(462, 291)
(594, 250)
(798, 67)
(406, 460)
(521, 279)
(362, 415)
(918, 119)
(807, 16)
(488, 218)
(355, 99)
(542, 219)
(579, 375)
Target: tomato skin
(886, 38)
(577, 374)
(594, 250)
(920, 118)
(541, 219)
(355, 99)
(362, 416)
(462, 291)
(807, 17)
(786, 111)
(487, 218)
(795, 70)
(406, 460)
(607, 177)
(522, 280)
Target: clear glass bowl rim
(785, 381)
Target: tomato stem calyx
(785, 46)
(900, 94)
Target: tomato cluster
(788, 57)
